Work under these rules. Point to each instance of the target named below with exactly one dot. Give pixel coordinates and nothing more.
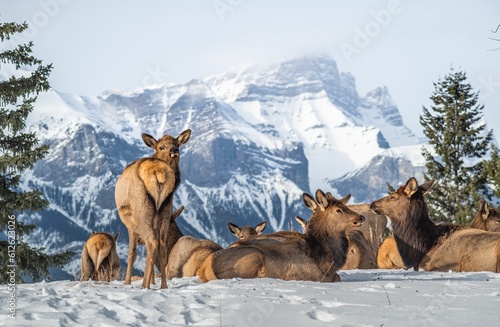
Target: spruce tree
(458, 142)
(492, 171)
(19, 150)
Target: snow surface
(363, 298)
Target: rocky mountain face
(261, 136)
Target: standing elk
(443, 247)
(144, 196)
(316, 256)
(174, 234)
(100, 260)
(247, 231)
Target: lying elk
(317, 256)
(282, 235)
(144, 196)
(187, 255)
(374, 227)
(388, 256)
(360, 254)
(486, 218)
(247, 231)
(421, 243)
(100, 260)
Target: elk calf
(144, 196)
(247, 231)
(99, 258)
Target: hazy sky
(97, 45)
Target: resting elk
(144, 196)
(360, 253)
(421, 243)
(244, 233)
(316, 256)
(374, 227)
(486, 218)
(100, 260)
(187, 255)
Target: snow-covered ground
(363, 298)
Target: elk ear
(260, 227)
(345, 199)
(309, 202)
(184, 137)
(116, 236)
(233, 229)
(177, 212)
(149, 140)
(484, 209)
(302, 222)
(321, 199)
(411, 187)
(427, 186)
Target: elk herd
(336, 236)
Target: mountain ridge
(260, 138)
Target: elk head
(396, 205)
(331, 214)
(247, 231)
(167, 147)
(489, 216)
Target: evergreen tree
(19, 150)
(492, 171)
(458, 143)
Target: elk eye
(339, 211)
(162, 148)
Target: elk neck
(326, 248)
(415, 233)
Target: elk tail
(103, 249)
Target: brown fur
(187, 256)
(442, 247)
(360, 253)
(174, 234)
(374, 227)
(316, 256)
(486, 218)
(100, 260)
(144, 196)
(388, 256)
(247, 231)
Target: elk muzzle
(358, 222)
(174, 152)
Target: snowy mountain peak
(261, 136)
